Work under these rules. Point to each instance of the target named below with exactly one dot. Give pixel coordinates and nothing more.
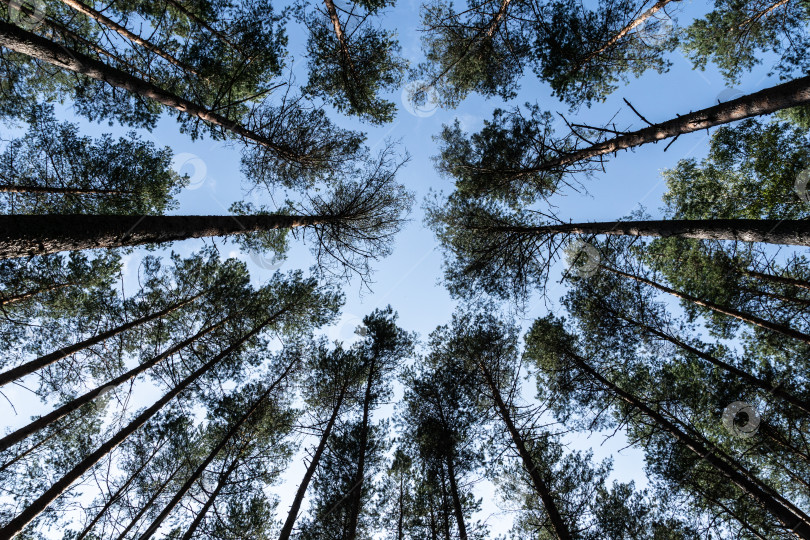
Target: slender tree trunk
(745, 317)
(30, 44)
(771, 231)
(232, 432)
(561, 530)
(223, 479)
(770, 100)
(101, 19)
(401, 516)
(286, 530)
(341, 37)
(39, 443)
(623, 32)
(30, 367)
(357, 484)
(117, 494)
(36, 507)
(22, 236)
(202, 22)
(445, 507)
(6, 300)
(790, 516)
(8, 188)
(459, 512)
(782, 280)
(48, 419)
(150, 502)
(777, 296)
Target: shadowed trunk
(30, 367)
(454, 495)
(223, 479)
(782, 280)
(357, 484)
(150, 502)
(22, 236)
(6, 300)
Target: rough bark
(286, 530)
(37, 47)
(560, 527)
(770, 100)
(43, 361)
(745, 317)
(36, 507)
(22, 236)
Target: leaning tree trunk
(8, 188)
(39, 48)
(22, 236)
(150, 502)
(48, 419)
(232, 432)
(36, 507)
(6, 300)
(202, 22)
(770, 100)
(30, 367)
(772, 231)
(782, 280)
(745, 317)
(286, 530)
(561, 530)
(357, 484)
(223, 479)
(787, 513)
(457, 509)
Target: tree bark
(150, 502)
(558, 525)
(101, 19)
(357, 484)
(30, 44)
(782, 280)
(771, 231)
(457, 509)
(790, 516)
(46, 420)
(286, 530)
(770, 100)
(22, 236)
(745, 317)
(6, 300)
(223, 479)
(36, 507)
(232, 432)
(30, 367)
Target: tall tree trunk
(30, 367)
(22, 236)
(48, 419)
(232, 432)
(770, 100)
(202, 22)
(745, 317)
(6, 300)
(30, 44)
(286, 530)
(341, 37)
(454, 494)
(401, 516)
(744, 375)
(771, 231)
(777, 296)
(118, 493)
(8, 188)
(101, 19)
(223, 479)
(36, 507)
(150, 502)
(39, 443)
(359, 477)
(561, 530)
(782, 280)
(788, 514)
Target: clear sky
(410, 279)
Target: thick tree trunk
(36, 507)
(745, 317)
(286, 530)
(6, 300)
(22, 236)
(770, 100)
(223, 479)
(30, 44)
(150, 502)
(357, 484)
(782, 280)
(232, 432)
(7, 188)
(30, 367)
(48, 419)
(457, 509)
(101, 19)
(561, 530)
(771, 231)
(790, 516)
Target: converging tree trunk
(781, 280)
(150, 502)
(223, 480)
(6, 300)
(22, 236)
(30, 367)
(359, 477)
(454, 495)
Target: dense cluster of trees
(175, 409)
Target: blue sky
(410, 279)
